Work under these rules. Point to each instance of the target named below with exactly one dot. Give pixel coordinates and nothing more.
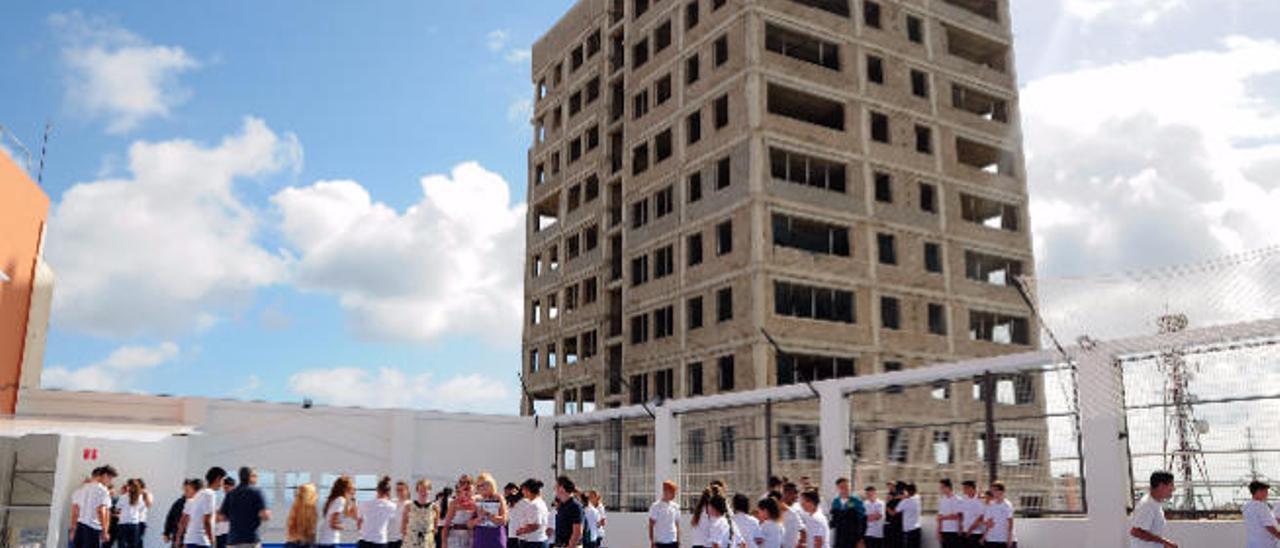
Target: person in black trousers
(893, 523)
(171, 521)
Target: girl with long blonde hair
(300, 526)
(490, 517)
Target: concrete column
(1105, 455)
(59, 506)
(666, 430)
(834, 431)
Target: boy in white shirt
(999, 518)
(1260, 527)
(1147, 524)
(746, 524)
(792, 521)
(948, 515)
(875, 518)
(971, 509)
(664, 518)
(91, 510)
(815, 522)
(910, 510)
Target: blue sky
(272, 200)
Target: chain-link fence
(1020, 428)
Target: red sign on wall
(90, 453)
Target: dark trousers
(972, 540)
(528, 544)
(911, 539)
(367, 544)
(87, 537)
(220, 541)
(668, 545)
(874, 542)
(129, 535)
(395, 544)
(996, 545)
(951, 540)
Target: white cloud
(1149, 163)
(169, 247)
(518, 55)
(497, 39)
(390, 387)
(1145, 12)
(449, 264)
(117, 75)
(115, 373)
(520, 111)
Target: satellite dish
(1202, 426)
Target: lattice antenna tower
(1183, 452)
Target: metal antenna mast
(1183, 452)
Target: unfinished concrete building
(843, 176)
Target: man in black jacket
(171, 522)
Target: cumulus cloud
(395, 388)
(497, 39)
(1145, 12)
(169, 247)
(115, 373)
(449, 264)
(117, 75)
(1151, 163)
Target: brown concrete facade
(845, 175)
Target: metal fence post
(992, 450)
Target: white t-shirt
(998, 514)
(375, 517)
(910, 510)
(329, 535)
(1257, 518)
(698, 535)
(592, 517)
(948, 506)
(220, 527)
(875, 529)
(90, 497)
(395, 530)
(718, 533)
(133, 514)
(971, 510)
(747, 527)
(535, 511)
(1148, 516)
(792, 524)
(771, 532)
(196, 508)
(601, 515)
(815, 525)
(664, 516)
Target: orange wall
(23, 210)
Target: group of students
(1147, 524)
(102, 516)
(790, 515)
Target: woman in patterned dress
(420, 518)
(456, 532)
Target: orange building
(26, 288)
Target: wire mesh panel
(723, 444)
(1019, 428)
(796, 441)
(1207, 414)
(613, 457)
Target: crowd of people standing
(792, 515)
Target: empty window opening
(984, 157)
(552, 360)
(928, 198)
(721, 108)
(723, 173)
(937, 319)
(535, 312)
(875, 69)
(593, 43)
(639, 7)
(805, 107)
(664, 322)
(989, 213)
(991, 269)
(694, 184)
(924, 139)
(838, 7)
(691, 14)
(693, 127)
(989, 9)
(915, 29)
(886, 249)
(639, 328)
(998, 328)
(979, 103)
(575, 149)
(693, 313)
(553, 309)
(800, 368)
(617, 52)
(662, 146)
(724, 370)
(884, 187)
(691, 70)
(694, 379)
(570, 350)
(662, 90)
(724, 304)
(662, 36)
(808, 170)
(880, 127)
(640, 159)
(809, 235)
(547, 213)
(664, 201)
(890, 313)
(933, 257)
(871, 14)
(694, 249)
(919, 83)
(798, 442)
(664, 384)
(819, 303)
(640, 104)
(640, 54)
(724, 238)
(977, 49)
(720, 51)
(640, 213)
(576, 57)
(592, 90)
(801, 46)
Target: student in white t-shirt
(91, 510)
(999, 519)
(374, 517)
(664, 518)
(531, 515)
(971, 509)
(720, 531)
(601, 518)
(769, 514)
(1260, 526)
(198, 515)
(948, 519)
(874, 537)
(1146, 528)
(817, 531)
(909, 507)
(747, 525)
(339, 505)
(793, 532)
